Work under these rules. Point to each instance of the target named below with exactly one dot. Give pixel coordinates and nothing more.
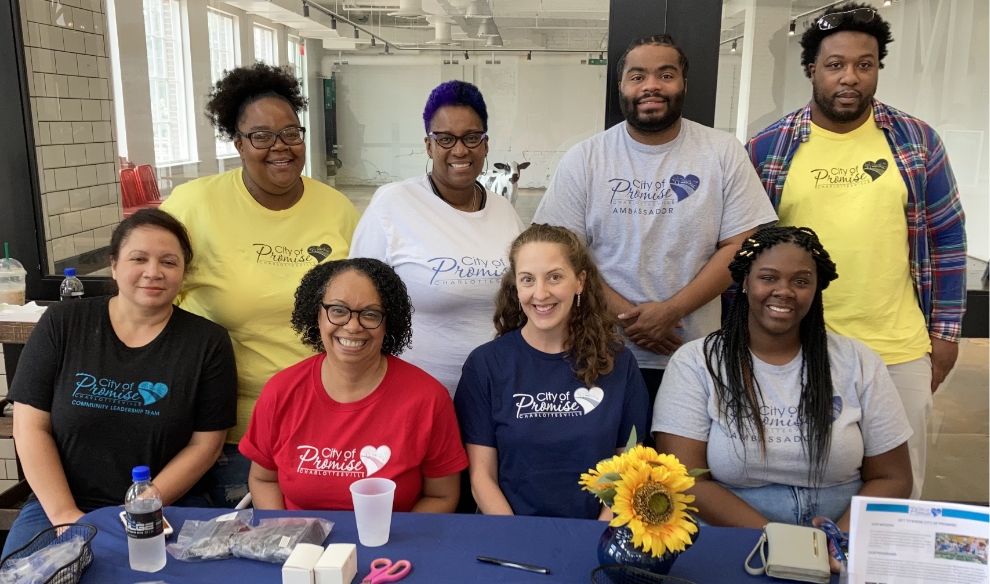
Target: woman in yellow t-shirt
(257, 230)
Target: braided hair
(730, 362)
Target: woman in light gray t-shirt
(792, 420)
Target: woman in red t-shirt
(355, 410)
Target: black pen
(516, 565)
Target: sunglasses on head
(830, 21)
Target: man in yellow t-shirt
(875, 185)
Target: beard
(827, 106)
(652, 124)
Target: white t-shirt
(451, 262)
(653, 215)
(867, 416)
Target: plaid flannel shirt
(936, 230)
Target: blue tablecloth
(442, 548)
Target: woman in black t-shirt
(109, 383)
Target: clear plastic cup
(13, 281)
(373, 510)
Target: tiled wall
(8, 464)
(71, 106)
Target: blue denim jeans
(228, 477)
(799, 505)
(32, 520)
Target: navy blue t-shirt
(546, 425)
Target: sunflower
(653, 458)
(600, 481)
(649, 500)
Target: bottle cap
(141, 474)
(70, 272)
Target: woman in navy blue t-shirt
(555, 392)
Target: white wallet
(795, 553)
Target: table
(442, 548)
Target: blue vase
(616, 547)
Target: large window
(163, 34)
(264, 45)
(223, 57)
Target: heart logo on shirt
(375, 458)
(320, 252)
(589, 399)
(152, 392)
(684, 186)
(836, 407)
(875, 169)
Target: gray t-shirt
(653, 215)
(867, 416)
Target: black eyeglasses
(341, 315)
(447, 141)
(830, 21)
(291, 136)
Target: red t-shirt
(404, 431)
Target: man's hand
(944, 354)
(651, 326)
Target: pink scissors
(383, 570)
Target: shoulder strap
(759, 546)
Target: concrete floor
(958, 465)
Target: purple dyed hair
(455, 93)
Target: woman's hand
(716, 505)
(265, 492)
(440, 495)
(483, 468)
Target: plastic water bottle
(145, 530)
(71, 288)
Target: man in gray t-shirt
(663, 203)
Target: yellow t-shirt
(248, 262)
(848, 189)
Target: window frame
(169, 99)
(272, 57)
(223, 148)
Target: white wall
(536, 111)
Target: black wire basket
(71, 572)
(620, 574)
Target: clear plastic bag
(42, 565)
(200, 541)
(274, 539)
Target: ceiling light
(409, 9)
(357, 33)
(386, 48)
(733, 46)
(886, 2)
(333, 23)
(487, 28)
(466, 57)
(306, 9)
(494, 41)
(793, 26)
(478, 9)
(372, 41)
(529, 56)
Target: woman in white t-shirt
(830, 424)
(445, 235)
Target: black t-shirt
(114, 407)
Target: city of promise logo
(349, 462)
(548, 404)
(109, 394)
(644, 197)
(841, 176)
(287, 255)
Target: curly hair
(878, 28)
(727, 350)
(240, 87)
(395, 301)
(592, 334)
(455, 93)
(657, 40)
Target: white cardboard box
(298, 569)
(337, 565)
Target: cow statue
(503, 179)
